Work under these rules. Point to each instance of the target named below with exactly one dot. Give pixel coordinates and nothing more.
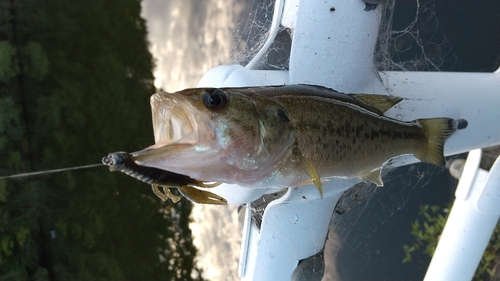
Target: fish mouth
(180, 132)
(174, 120)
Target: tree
(75, 81)
(428, 231)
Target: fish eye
(215, 99)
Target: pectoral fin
(374, 176)
(201, 196)
(311, 171)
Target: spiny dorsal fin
(379, 103)
(310, 169)
(374, 176)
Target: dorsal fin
(379, 103)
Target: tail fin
(437, 130)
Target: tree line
(75, 81)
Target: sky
(189, 37)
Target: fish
(285, 136)
(122, 162)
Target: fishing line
(22, 175)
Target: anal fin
(374, 176)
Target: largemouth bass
(285, 136)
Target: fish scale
(342, 135)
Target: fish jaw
(174, 120)
(184, 136)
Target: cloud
(189, 37)
(217, 235)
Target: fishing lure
(123, 162)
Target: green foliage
(428, 230)
(22, 235)
(3, 192)
(75, 82)
(36, 63)
(426, 233)
(8, 66)
(7, 245)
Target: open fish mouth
(174, 120)
(181, 132)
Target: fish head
(225, 135)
